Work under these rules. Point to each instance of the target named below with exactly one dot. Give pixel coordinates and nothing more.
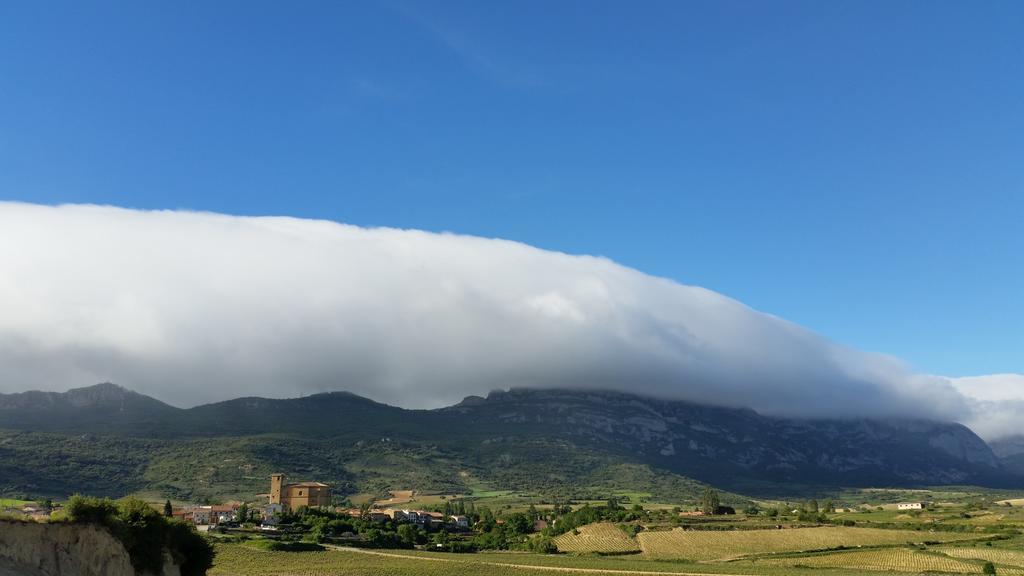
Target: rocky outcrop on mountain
(103, 406)
(715, 444)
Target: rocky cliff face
(716, 444)
(43, 549)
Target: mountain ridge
(522, 438)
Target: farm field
(998, 556)
(724, 545)
(884, 559)
(241, 560)
(414, 499)
(602, 538)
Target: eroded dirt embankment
(42, 549)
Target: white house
(459, 521)
(201, 515)
(271, 514)
(911, 505)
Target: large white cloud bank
(197, 307)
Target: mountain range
(108, 440)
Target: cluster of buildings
(208, 515)
(29, 512)
(289, 497)
(283, 497)
(286, 497)
(426, 519)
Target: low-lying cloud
(198, 307)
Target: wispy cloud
(468, 49)
(194, 307)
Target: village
(289, 498)
(285, 500)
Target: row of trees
(490, 532)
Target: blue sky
(854, 167)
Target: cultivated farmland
(996, 555)
(896, 559)
(602, 538)
(240, 560)
(724, 545)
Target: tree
(243, 513)
(518, 523)
(543, 545)
(988, 568)
(440, 539)
(318, 531)
(487, 518)
(168, 509)
(709, 502)
(407, 534)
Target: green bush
(90, 510)
(190, 551)
(543, 545)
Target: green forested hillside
(36, 464)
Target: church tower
(276, 482)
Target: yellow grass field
(895, 559)
(994, 555)
(601, 538)
(708, 545)
(397, 497)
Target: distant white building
(911, 505)
(201, 515)
(459, 521)
(271, 514)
